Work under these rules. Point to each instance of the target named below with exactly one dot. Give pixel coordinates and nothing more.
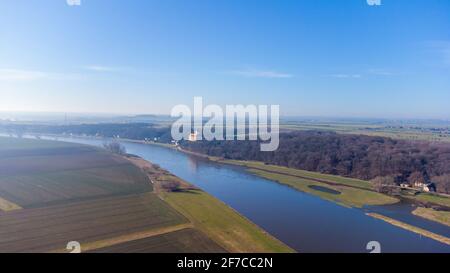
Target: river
(304, 222)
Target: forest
(136, 131)
(357, 156)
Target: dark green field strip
(328, 181)
(181, 241)
(46, 229)
(51, 188)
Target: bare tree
(417, 177)
(115, 147)
(171, 185)
(442, 183)
(386, 185)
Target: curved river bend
(302, 221)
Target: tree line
(357, 156)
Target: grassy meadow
(221, 223)
(442, 217)
(225, 226)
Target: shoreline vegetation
(442, 217)
(411, 228)
(221, 223)
(353, 192)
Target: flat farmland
(51, 228)
(40, 162)
(10, 143)
(182, 241)
(39, 174)
(52, 193)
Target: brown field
(182, 241)
(42, 163)
(16, 144)
(39, 175)
(52, 193)
(51, 228)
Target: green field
(303, 174)
(431, 198)
(348, 196)
(442, 217)
(408, 131)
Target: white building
(193, 136)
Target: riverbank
(225, 226)
(351, 192)
(442, 217)
(414, 229)
(270, 171)
(430, 200)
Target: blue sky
(312, 57)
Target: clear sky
(312, 57)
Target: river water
(304, 222)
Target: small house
(193, 136)
(430, 187)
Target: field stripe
(126, 238)
(5, 205)
(411, 228)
